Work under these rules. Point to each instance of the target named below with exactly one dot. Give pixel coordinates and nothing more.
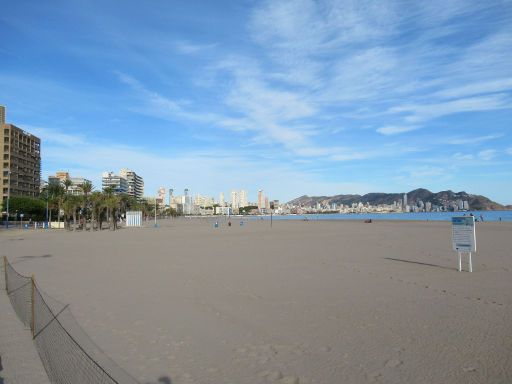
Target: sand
(301, 302)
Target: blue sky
(294, 97)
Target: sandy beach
(301, 302)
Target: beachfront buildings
(118, 183)
(126, 182)
(75, 188)
(21, 161)
(135, 183)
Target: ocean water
(418, 216)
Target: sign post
(464, 238)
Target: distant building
(221, 199)
(160, 196)
(118, 183)
(235, 203)
(21, 161)
(171, 196)
(135, 183)
(75, 188)
(405, 206)
(261, 200)
(243, 200)
(187, 203)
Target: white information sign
(463, 234)
(464, 238)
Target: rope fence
(68, 354)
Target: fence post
(33, 325)
(5, 274)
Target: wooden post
(33, 326)
(5, 274)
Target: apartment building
(21, 161)
(118, 183)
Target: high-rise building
(116, 182)
(171, 197)
(405, 203)
(235, 203)
(135, 183)
(221, 199)
(187, 202)
(242, 197)
(261, 200)
(21, 161)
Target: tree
(96, 208)
(55, 198)
(112, 203)
(87, 188)
(30, 207)
(71, 205)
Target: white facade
(135, 183)
(117, 183)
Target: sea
(416, 216)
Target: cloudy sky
(293, 97)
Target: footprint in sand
(393, 363)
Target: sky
(292, 97)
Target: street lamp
(46, 226)
(8, 196)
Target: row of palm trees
(91, 209)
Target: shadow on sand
(420, 263)
(21, 259)
(161, 380)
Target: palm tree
(67, 183)
(70, 207)
(55, 199)
(87, 188)
(108, 193)
(112, 203)
(96, 207)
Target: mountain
(443, 198)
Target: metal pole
(8, 197)
(271, 218)
(470, 263)
(460, 261)
(5, 273)
(33, 306)
(47, 208)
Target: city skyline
(302, 97)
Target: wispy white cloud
(394, 130)
(471, 139)
(492, 86)
(416, 113)
(188, 48)
(154, 104)
(487, 154)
